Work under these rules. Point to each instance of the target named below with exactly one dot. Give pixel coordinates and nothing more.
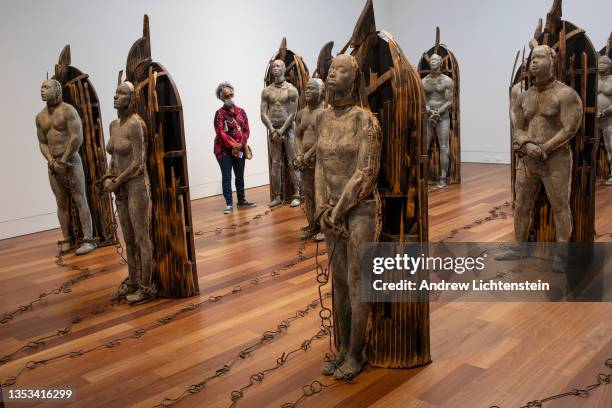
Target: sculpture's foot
(276, 202)
(608, 182)
(142, 295)
(319, 237)
(295, 202)
(126, 288)
(559, 264)
(442, 182)
(509, 255)
(86, 248)
(349, 368)
(65, 246)
(329, 367)
(305, 233)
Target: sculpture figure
(546, 117)
(279, 104)
(604, 107)
(348, 205)
(438, 99)
(306, 143)
(60, 135)
(128, 178)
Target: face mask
(228, 102)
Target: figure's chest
(433, 86)
(338, 137)
(120, 140)
(605, 86)
(279, 95)
(544, 104)
(308, 120)
(54, 120)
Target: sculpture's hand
(298, 162)
(59, 165)
(110, 185)
(276, 136)
(534, 151)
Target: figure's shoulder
(447, 80)
(68, 109)
(566, 92)
(43, 114)
(292, 89)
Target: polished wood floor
(484, 354)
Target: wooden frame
(78, 91)
(297, 75)
(603, 169)
(392, 90)
(576, 67)
(159, 104)
(450, 67)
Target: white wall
(485, 36)
(204, 42)
(201, 43)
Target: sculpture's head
(435, 62)
(342, 75)
(604, 65)
(123, 96)
(51, 91)
(225, 93)
(315, 90)
(543, 62)
(278, 70)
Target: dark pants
(227, 163)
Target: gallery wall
(201, 43)
(205, 42)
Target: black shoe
(246, 203)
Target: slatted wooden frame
(159, 104)
(296, 74)
(576, 67)
(450, 67)
(79, 92)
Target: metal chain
(494, 213)
(266, 337)
(602, 379)
(256, 217)
(139, 333)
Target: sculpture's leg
(607, 137)
(430, 132)
(76, 181)
(308, 191)
(290, 150)
(62, 198)
(275, 152)
(139, 207)
(527, 185)
(557, 182)
(336, 250)
(362, 228)
(443, 131)
(121, 199)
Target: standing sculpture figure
(604, 107)
(348, 205)
(60, 135)
(127, 177)
(438, 100)
(279, 103)
(546, 117)
(306, 143)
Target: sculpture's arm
(299, 134)
(42, 142)
(319, 187)
(264, 111)
(363, 180)
(136, 135)
(226, 139)
(291, 109)
(312, 152)
(519, 133)
(75, 132)
(110, 148)
(571, 119)
(448, 97)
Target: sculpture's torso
(278, 99)
(307, 127)
(542, 111)
(338, 147)
(53, 124)
(435, 87)
(120, 143)
(604, 98)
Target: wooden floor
(484, 354)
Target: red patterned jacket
(231, 128)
